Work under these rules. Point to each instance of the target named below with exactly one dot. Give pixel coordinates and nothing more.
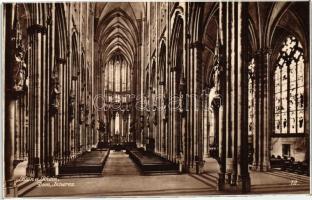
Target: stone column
(36, 33)
(219, 140)
(255, 164)
(206, 123)
(14, 90)
(53, 92)
(165, 124)
(9, 149)
(242, 147)
(231, 96)
(220, 84)
(10, 185)
(307, 108)
(198, 104)
(267, 107)
(262, 125)
(231, 79)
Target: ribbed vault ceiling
(117, 29)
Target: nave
(121, 177)
(211, 90)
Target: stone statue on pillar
(86, 116)
(55, 92)
(182, 103)
(142, 121)
(166, 107)
(214, 148)
(71, 106)
(81, 113)
(155, 119)
(148, 119)
(217, 68)
(20, 70)
(216, 77)
(92, 121)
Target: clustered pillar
(233, 132)
(262, 118)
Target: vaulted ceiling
(117, 29)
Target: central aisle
(121, 177)
(119, 163)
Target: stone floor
(121, 177)
(277, 181)
(118, 164)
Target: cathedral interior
(156, 98)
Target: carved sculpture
(86, 116)
(216, 77)
(55, 92)
(81, 113)
(132, 126)
(214, 148)
(92, 120)
(20, 70)
(71, 101)
(182, 106)
(155, 119)
(148, 120)
(142, 121)
(166, 107)
(101, 126)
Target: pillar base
(29, 171)
(238, 184)
(221, 182)
(11, 189)
(192, 170)
(163, 155)
(228, 178)
(45, 169)
(254, 167)
(244, 184)
(265, 168)
(185, 169)
(37, 171)
(52, 171)
(50, 168)
(234, 179)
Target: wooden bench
(149, 162)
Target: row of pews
(150, 162)
(89, 163)
(290, 164)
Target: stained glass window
(117, 72)
(117, 76)
(111, 75)
(289, 89)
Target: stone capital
(267, 51)
(262, 51)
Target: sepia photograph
(155, 99)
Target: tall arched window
(289, 88)
(117, 78)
